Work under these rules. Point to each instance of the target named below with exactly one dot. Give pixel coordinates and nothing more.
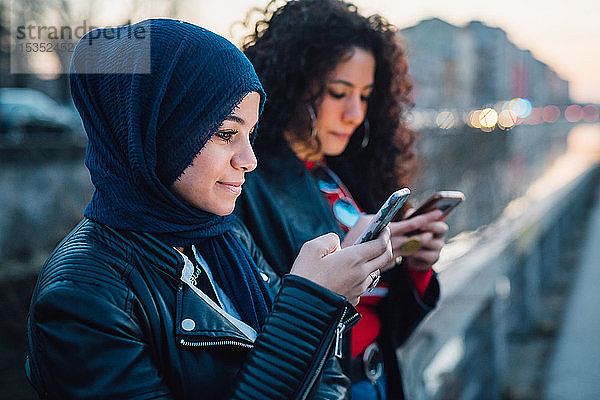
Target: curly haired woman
(333, 145)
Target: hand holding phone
(384, 215)
(445, 200)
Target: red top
(368, 328)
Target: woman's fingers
(406, 243)
(344, 271)
(427, 255)
(420, 248)
(381, 263)
(418, 223)
(374, 248)
(438, 228)
(429, 241)
(326, 244)
(368, 284)
(311, 255)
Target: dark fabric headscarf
(150, 96)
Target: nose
(244, 158)
(354, 111)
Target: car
(30, 116)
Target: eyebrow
(241, 121)
(235, 118)
(343, 82)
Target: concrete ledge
(574, 371)
(490, 282)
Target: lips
(341, 135)
(233, 187)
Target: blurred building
(475, 66)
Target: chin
(217, 208)
(224, 209)
(223, 212)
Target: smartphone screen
(385, 214)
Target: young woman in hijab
(158, 292)
(334, 143)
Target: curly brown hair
(295, 47)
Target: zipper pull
(338, 340)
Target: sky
(564, 34)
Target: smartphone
(385, 214)
(445, 200)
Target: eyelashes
(227, 135)
(339, 96)
(336, 95)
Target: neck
(305, 151)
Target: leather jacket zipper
(184, 342)
(339, 332)
(338, 348)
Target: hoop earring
(366, 134)
(313, 118)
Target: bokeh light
(445, 120)
(521, 107)
(591, 113)
(550, 113)
(488, 117)
(535, 117)
(507, 119)
(574, 113)
(473, 119)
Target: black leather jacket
(106, 322)
(283, 207)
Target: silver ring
(375, 277)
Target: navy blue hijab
(150, 96)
